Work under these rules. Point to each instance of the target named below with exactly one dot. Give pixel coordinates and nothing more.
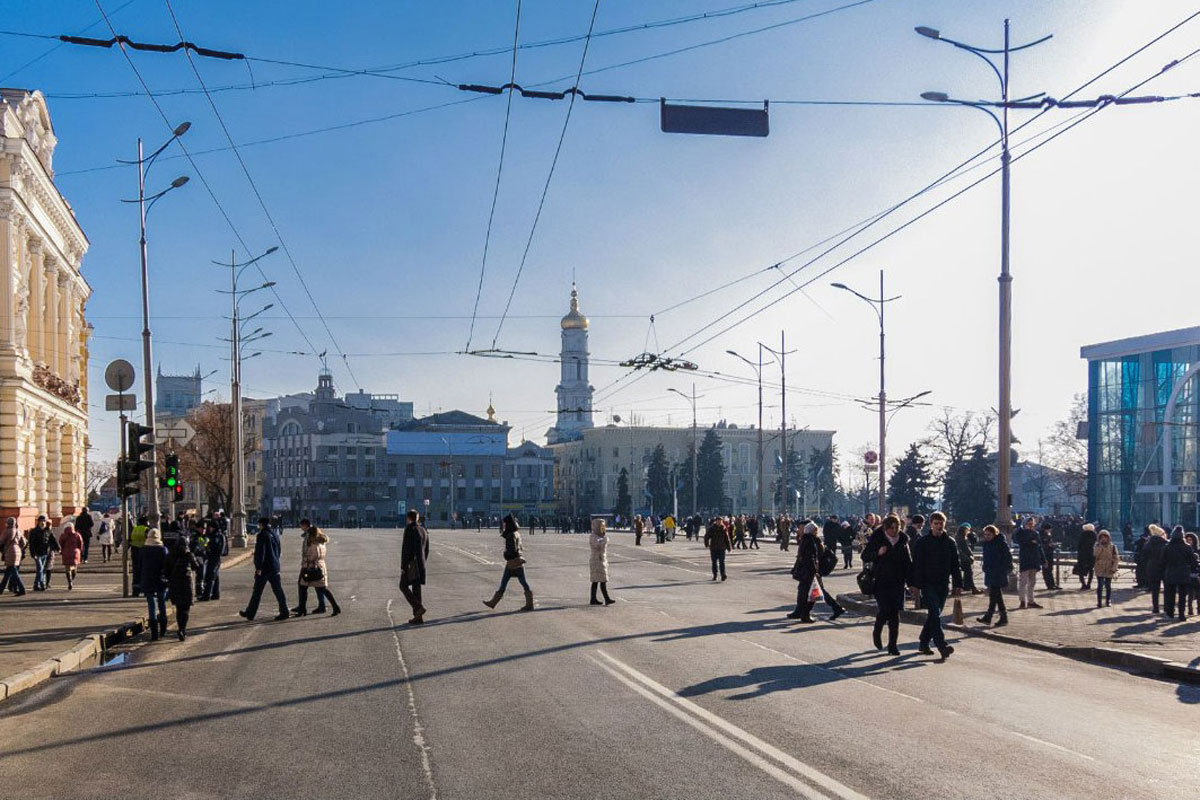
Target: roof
(1147, 343)
(450, 418)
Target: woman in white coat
(599, 561)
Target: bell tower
(573, 391)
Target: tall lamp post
(781, 356)
(1003, 460)
(144, 205)
(757, 374)
(695, 445)
(878, 307)
(237, 339)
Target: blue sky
(386, 220)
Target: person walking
(887, 552)
(966, 559)
(514, 563)
(70, 545)
(936, 573)
(810, 552)
(153, 580)
(1139, 560)
(1154, 554)
(83, 526)
(104, 538)
(1105, 562)
(181, 567)
(137, 540)
(716, 539)
(753, 525)
(314, 573)
(639, 528)
(997, 563)
(1194, 592)
(598, 561)
(739, 532)
(1049, 557)
(1085, 563)
(1179, 565)
(845, 539)
(784, 533)
(1029, 560)
(12, 549)
(212, 563)
(414, 552)
(42, 547)
(266, 571)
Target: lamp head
(839, 286)
(930, 33)
(267, 285)
(182, 129)
(935, 97)
(270, 250)
(180, 181)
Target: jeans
(1026, 580)
(12, 580)
(156, 606)
(519, 574)
(87, 545)
(41, 572)
(260, 582)
(996, 603)
(1103, 587)
(135, 556)
(1176, 591)
(212, 580)
(1048, 577)
(718, 560)
(412, 593)
(968, 574)
(933, 598)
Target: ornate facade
(43, 331)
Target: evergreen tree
(795, 481)
(683, 471)
(970, 494)
(710, 469)
(822, 477)
(658, 480)
(624, 500)
(910, 481)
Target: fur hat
(1089, 527)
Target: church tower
(573, 390)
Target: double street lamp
(144, 205)
(1003, 462)
(758, 375)
(695, 446)
(236, 339)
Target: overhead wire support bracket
(125, 41)
(540, 95)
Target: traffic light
(171, 479)
(130, 468)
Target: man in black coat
(935, 567)
(83, 526)
(212, 563)
(891, 561)
(414, 552)
(266, 570)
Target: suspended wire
(487, 239)
(262, 203)
(203, 180)
(52, 50)
(562, 135)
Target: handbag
(866, 581)
(515, 563)
(312, 575)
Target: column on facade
(37, 461)
(62, 323)
(9, 258)
(54, 467)
(50, 319)
(69, 494)
(35, 328)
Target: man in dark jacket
(1154, 556)
(212, 563)
(83, 526)
(1085, 556)
(1049, 556)
(1179, 565)
(716, 539)
(42, 547)
(414, 552)
(935, 567)
(1139, 560)
(891, 561)
(807, 572)
(266, 570)
(1029, 558)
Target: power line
(487, 239)
(204, 181)
(46, 53)
(262, 203)
(562, 135)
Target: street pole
(238, 510)
(1003, 461)
(695, 449)
(147, 375)
(760, 435)
(882, 403)
(124, 512)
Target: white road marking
(720, 731)
(418, 728)
(467, 553)
(103, 688)
(1043, 742)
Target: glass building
(1129, 384)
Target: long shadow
(1135, 630)
(660, 585)
(1070, 612)
(762, 681)
(1181, 628)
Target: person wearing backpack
(813, 560)
(935, 566)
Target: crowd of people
(71, 546)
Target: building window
(369, 469)
(410, 470)
(495, 470)
(426, 470)
(478, 492)
(351, 451)
(391, 470)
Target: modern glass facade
(1129, 384)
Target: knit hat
(1089, 527)
(811, 528)
(1157, 531)
(153, 537)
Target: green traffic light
(171, 483)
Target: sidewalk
(44, 625)
(1124, 634)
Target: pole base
(239, 541)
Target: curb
(1104, 656)
(93, 646)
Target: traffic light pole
(124, 515)
(152, 509)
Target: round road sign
(119, 375)
(870, 457)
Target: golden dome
(574, 320)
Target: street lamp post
(878, 306)
(144, 205)
(758, 374)
(695, 445)
(1003, 459)
(781, 356)
(236, 339)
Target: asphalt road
(685, 688)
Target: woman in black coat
(181, 567)
(887, 552)
(414, 552)
(514, 563)
(1179, 565)
(1085, 559)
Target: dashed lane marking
(418, 729)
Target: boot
(1002, 621)
(153, 630)
(495, 599)
(528, 601)
(334, 605)
(595, 602)
(877, 636)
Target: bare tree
(1040, 477)
(98, 473)
(1067, 454)
(953, 436)
(208, 456)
